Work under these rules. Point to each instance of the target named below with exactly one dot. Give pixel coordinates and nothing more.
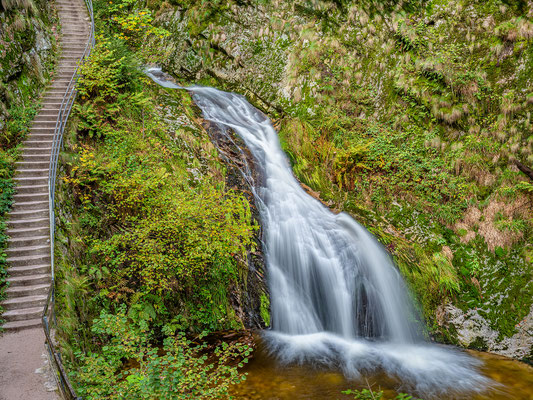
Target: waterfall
(336, 297)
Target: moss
(479, 344)
(265, 309)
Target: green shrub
(130, 367)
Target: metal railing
(48, 317)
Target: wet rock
(472, 328)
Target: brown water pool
(267, 380)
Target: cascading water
(336, 297)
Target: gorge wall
(414, 117)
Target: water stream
(337, 300)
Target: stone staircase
(28, 251)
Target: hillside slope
(414, 117)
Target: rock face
(26, 53)
(455, 78)
(474, 331)
(253, 307)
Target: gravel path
(28, 376)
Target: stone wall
(27, 45)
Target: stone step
(81, 36)
(36, 151)
(29, 205)
(26, 270)
(51, 108)
(23, 314)
(67, 69)
(30, 214)
(29, 280)
(24, 302)
(64, 80)
(29, 223)
(20, 261)
(43, 127)
(32, 172)
(22, 165)
(69, 57)
(23, 291)
(68, 30)
(35, 158)
(38, 136)
(31, 180)
(74, 50)
(73, 42)
(40, 125)
(26, 222)
(74, 30)
(63, 83)
(53, 104)
(53, 98)
(38, 250)
(28, 170)
(38, 143)
(47, 117)
(59, 92)
(67, 76)
(33, 164)
(43, 230)
(32, 205)
(21, 325)
(21, 189)
(41, 195)
(74, 14)
(25, 241)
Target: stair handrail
(48, 317)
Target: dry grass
(525, 29)
(19, 24)
(484, 222)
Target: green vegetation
(369, 394)
(26, 61)
(415, 117)
(265, 309)
(178, 370)
(152, 246)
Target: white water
(336, 297)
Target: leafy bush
(157, 231)
(130, 367)
(108, 80)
